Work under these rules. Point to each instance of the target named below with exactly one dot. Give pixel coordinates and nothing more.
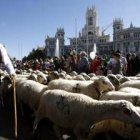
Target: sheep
(124, 79)
(130, 90)
(68, 77)
(131, 83)
(73, 73)
(93, 89)
(22, 76)
(91, 75)
(86, 77)
(79, 77)
(133, 97)
(29, 92)
(114, 80)
(125, 130)
(52, 75)
(80, 112)
(119, 76)
(32, 76)
(42, 78)
(62, 75)
(5, 89)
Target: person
(124, 62)
(5, 63)
(83, 63)
(117, 67)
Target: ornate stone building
(124, 40)
(90, 34)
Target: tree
(35, 54)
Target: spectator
(117, 67)
(83, 63)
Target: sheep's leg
(21, 107)
(80, 134)
(35, 124)
(57, 132)
(1, 101)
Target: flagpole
(76, 34)
(87, 42)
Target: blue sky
(25, 23)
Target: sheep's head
(52, 76)
(41, 78)
(79, 77)
(33, 77)
(114, 80)
(73, 73)
(6, 89)
(103, 84)
(86, 77)
(6, 84)
(124, 79)
(62, 75)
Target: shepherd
(6, 64)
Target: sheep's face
(41, 79)
(6, 90)
(104, 85)
(79, 77)
(6, 84)
(114, 81)
(124, 79)
(62, 75)
(53, 75)
(33, 77)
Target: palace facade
(124, 39)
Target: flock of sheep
(88, 104)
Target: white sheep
(80, 112)
(93, 89)
(68, 77)
(52, 75)
(131, 83)
(114, 80)
(125, 130)
(42, 78)
(129, 90)
(124, 79)
(73, 73)
(79, 77)
(86, 77)
(133, 97)
(33, 76)
(29, 92)
(91, 75)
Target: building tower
(117, 25)
(91, 19)
(117, 29)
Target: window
(90, 21)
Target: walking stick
(15, 107)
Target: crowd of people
(116, 63)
